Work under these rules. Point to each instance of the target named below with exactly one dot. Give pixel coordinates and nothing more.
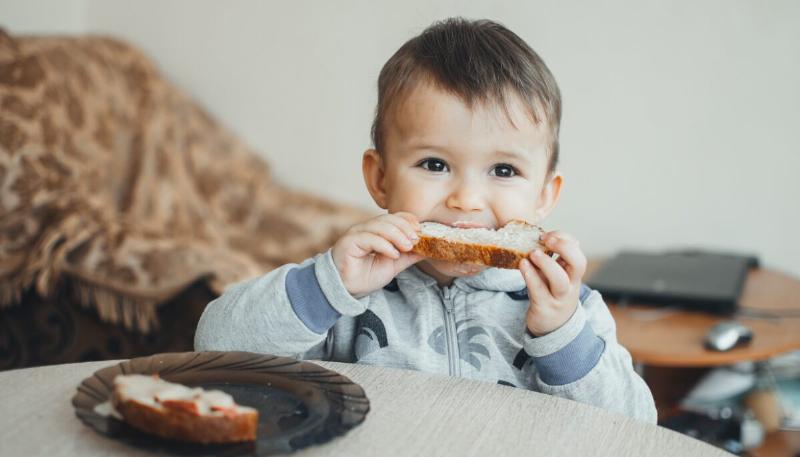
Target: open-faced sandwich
(175, 411)
(503, 248)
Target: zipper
(450, 332)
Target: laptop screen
(694, 279)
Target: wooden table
(412, 414)
(669, 342)
(674, 337)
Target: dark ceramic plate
(299, 403)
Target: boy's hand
(553, 285)
(371, 254)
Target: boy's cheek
(415, 196)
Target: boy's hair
(479, 61)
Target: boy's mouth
(468, 224)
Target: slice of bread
(503, 248)
(175, 411)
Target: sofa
(125, 207)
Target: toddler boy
(465, 134)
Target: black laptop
(701, 281)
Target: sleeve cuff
(567, 354)
(308, 301)
(332, 286)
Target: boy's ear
(374, 173)
(548, 198)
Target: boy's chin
(455, 269)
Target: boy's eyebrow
(510, 154)
(426, 146)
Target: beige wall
(47, 16)
(681, 119)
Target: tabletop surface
(411, 414)
(674, 337)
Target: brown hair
(479, 61)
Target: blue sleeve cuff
(308, 301)
(573, 361)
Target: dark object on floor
(724, 431)
(700, 281)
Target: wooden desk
(674, 338)
(670, 343)
(411, 414)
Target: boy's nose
(466, 197)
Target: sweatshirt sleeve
(288, 311)
(583, 361)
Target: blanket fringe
(135, 314)
(11, 293)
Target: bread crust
(459, 251)
(186, 426)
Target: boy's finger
(555, 235)
(408, 227)
(368, 243)
(569, 251)
(412, 219)
(557, 278)
(406, 260)
(391, 232)
(537, 288)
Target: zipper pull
(448, 302)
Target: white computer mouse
(727, 335)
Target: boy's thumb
(406, 260)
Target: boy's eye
(434, 165)
(504, 171)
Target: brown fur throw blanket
(114, 181)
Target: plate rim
(353, 407)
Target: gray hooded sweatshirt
(474, 328)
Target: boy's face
(446, 163)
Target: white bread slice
(503, 248)
(175, 411)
